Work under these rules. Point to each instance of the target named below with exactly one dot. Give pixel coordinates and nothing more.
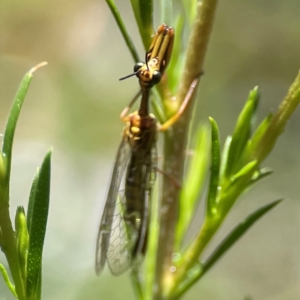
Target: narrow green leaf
(215, 168)
(22, 239)
(262, 173)
(277, 124)
(224, 158)
(7, 281)
(2, 171)
(246, 171)
(8, 239)
(194, 182)
(256, 138)
(39, 292)
(1, 240)
(198, 270)
(189, 7)
(32, 195)
(166, 12)
(261, 129)
(151, 255)
(176, 63)
(236, 234)
(242, 133)
(146, 12)
(13, 118)
(114, 10)
(39, 213)
(143, 12)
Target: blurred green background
(74, 104)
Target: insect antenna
(130, 75)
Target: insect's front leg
(166, 125)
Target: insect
(123, 230)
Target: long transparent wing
(112, 229)
(119, 253)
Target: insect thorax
(137, 126)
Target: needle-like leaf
(38, 207)
(236, 234)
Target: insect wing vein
(111, 229)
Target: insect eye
(137, 66)
(156, 77)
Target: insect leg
(166, 125)
(170, 177)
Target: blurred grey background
(73, 105)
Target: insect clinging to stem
(123, 230)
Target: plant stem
(174, 148)
(115, 12)
(197, 45)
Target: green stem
(197, 46)
(114, 10)
(174, 149)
